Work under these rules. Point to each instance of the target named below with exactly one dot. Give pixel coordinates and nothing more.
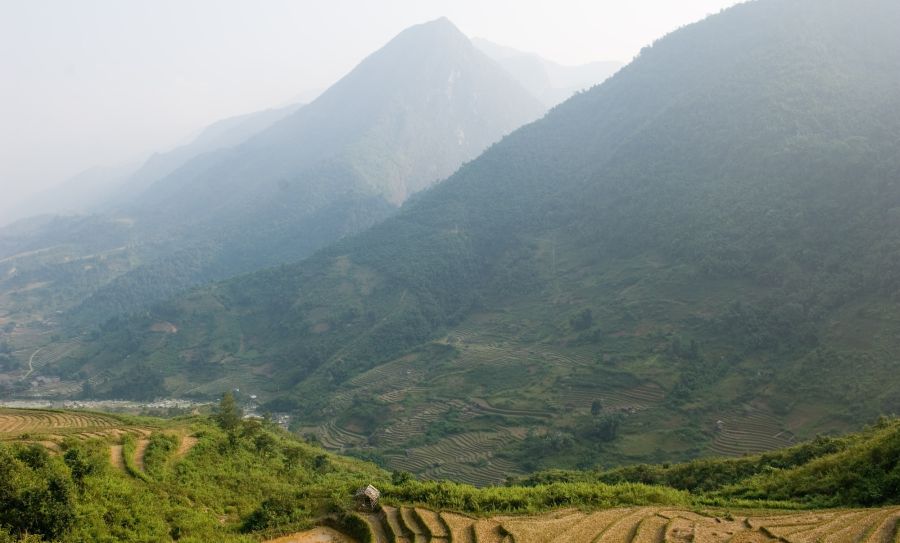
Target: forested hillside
(693, 258)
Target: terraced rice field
(54, 426)
(482, 407)
(402, 369)
(467, 458)
(52, 353)
(637, 398)
(392, 381)
(335, 438)
(749, 431)
(415, 423)
(637, 525)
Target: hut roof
(369, 491)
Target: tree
(606, 428)
(265, 444)
(582, 321)
(228, 415)
(81, 465)
(596, 407)
(400, 477)
(292, 456)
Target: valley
(621, 281)
(471, 294)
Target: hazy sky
(92, 82)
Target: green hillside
(695, 258)
(114, 478)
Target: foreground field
(119, 478)
(630, 525)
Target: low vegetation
(225, 478)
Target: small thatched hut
(367, 498)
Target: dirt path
(30, 363)
(187, 443)
(115, 457)
(139, 450)
(316, 535)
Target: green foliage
(217, 493)
(518, 499)
(81, 464)
(605, 428)
(37, 495)
(582, 321)
(141, 383)
(158, 453)
(228, 415)
(866, 473)
(226, 491)
(856, 470)
(283, 512)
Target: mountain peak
(436, 33)
(439, 24)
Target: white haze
(105, 82)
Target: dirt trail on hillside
(187, 443)
(115, 457)
(31, 363)
(316, 535)
(139, 450)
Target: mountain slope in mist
(406, 117)
(706, 241)
(550, 81)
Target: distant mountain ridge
(550, 81)
(219, 135)
(101, 189)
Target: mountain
(222, 134)
(550, 81)
(73, 196)
(406, 117)
(274, 186)
(97, 189)
(80, 235)
(696, 257)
